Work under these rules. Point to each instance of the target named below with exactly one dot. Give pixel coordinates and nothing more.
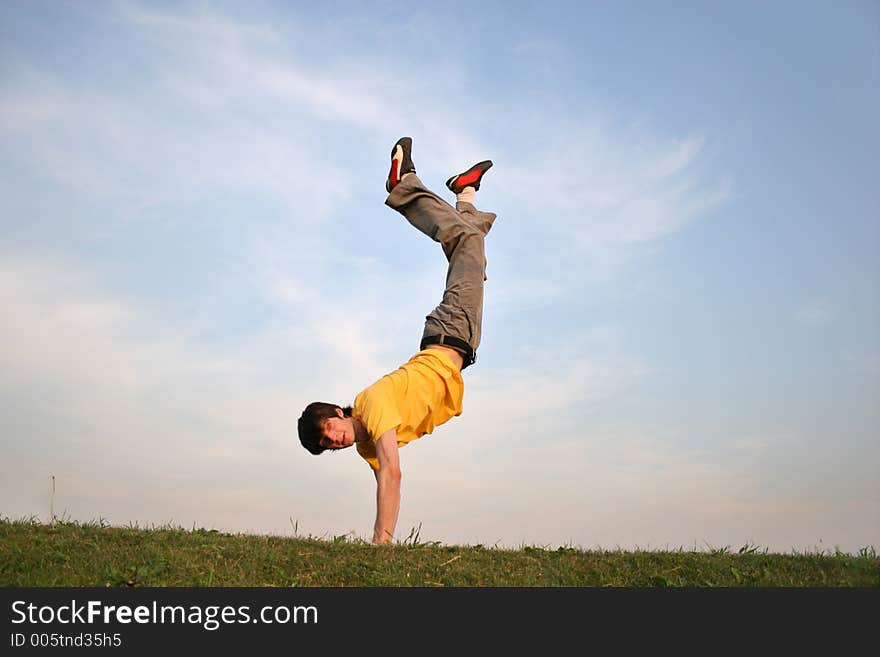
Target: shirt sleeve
(378, 410)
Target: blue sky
(681, 341)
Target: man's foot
(470, 178)
(401, 162)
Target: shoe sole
(398, 153)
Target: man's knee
(458, 233)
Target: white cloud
(95, 386)
(187, 429)
(818, 312)
(109, 147)
(614, 486)
(601, 189)
(228, 105)
(865, 362)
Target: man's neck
(360, 431)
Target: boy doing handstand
(427, 390)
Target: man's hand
(387, 487)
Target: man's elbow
(390, 475)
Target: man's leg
(460, 231)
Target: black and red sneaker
(470, 178)
(401, 162)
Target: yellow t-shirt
(418, 396)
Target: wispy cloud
(123, 406)
(602, 189)
(818, 312)
(617, 485)
(236, 116)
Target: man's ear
(339, 412)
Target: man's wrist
(381, 537)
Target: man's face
(337, 432)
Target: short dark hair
(311, 424)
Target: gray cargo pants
(460, 231)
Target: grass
(68, 554)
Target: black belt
(469, 354)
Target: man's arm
(387, 487)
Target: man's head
(325, 426)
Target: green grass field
(94, 554)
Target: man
(426, 391)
